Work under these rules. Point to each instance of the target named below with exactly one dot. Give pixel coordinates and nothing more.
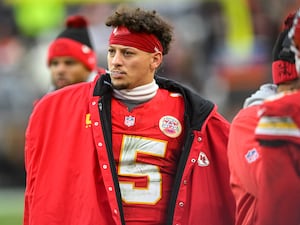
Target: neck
(137, 95)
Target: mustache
(111, 72)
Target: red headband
(143, 41)
(283, 71)
(68, 47)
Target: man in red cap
(247, 156)
(71, 58)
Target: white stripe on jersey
(277, 126)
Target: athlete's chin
(119, 85)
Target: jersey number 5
(131, 146)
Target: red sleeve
(279, 189)
(279, 119)
(244, 151)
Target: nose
(116, 59)
(58, 69)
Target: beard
(120, 86)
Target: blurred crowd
(222, 50)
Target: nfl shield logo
(252, 155)
(129, 121)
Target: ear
(156, 60)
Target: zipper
(178, 178)
(105, 119)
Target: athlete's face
(66, 71)
(131, 67)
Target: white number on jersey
(131, 146)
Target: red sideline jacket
(278, 131)
(71, 176)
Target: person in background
(278, 132)
(71, 57)
(245, 153)
(131, 147)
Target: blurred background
(222, 49)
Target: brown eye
(127, 53)
(111, 52)
(53, 63)
(70, 62)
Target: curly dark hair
(142, 21)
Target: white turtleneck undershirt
(136, 96)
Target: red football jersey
(147, 143)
